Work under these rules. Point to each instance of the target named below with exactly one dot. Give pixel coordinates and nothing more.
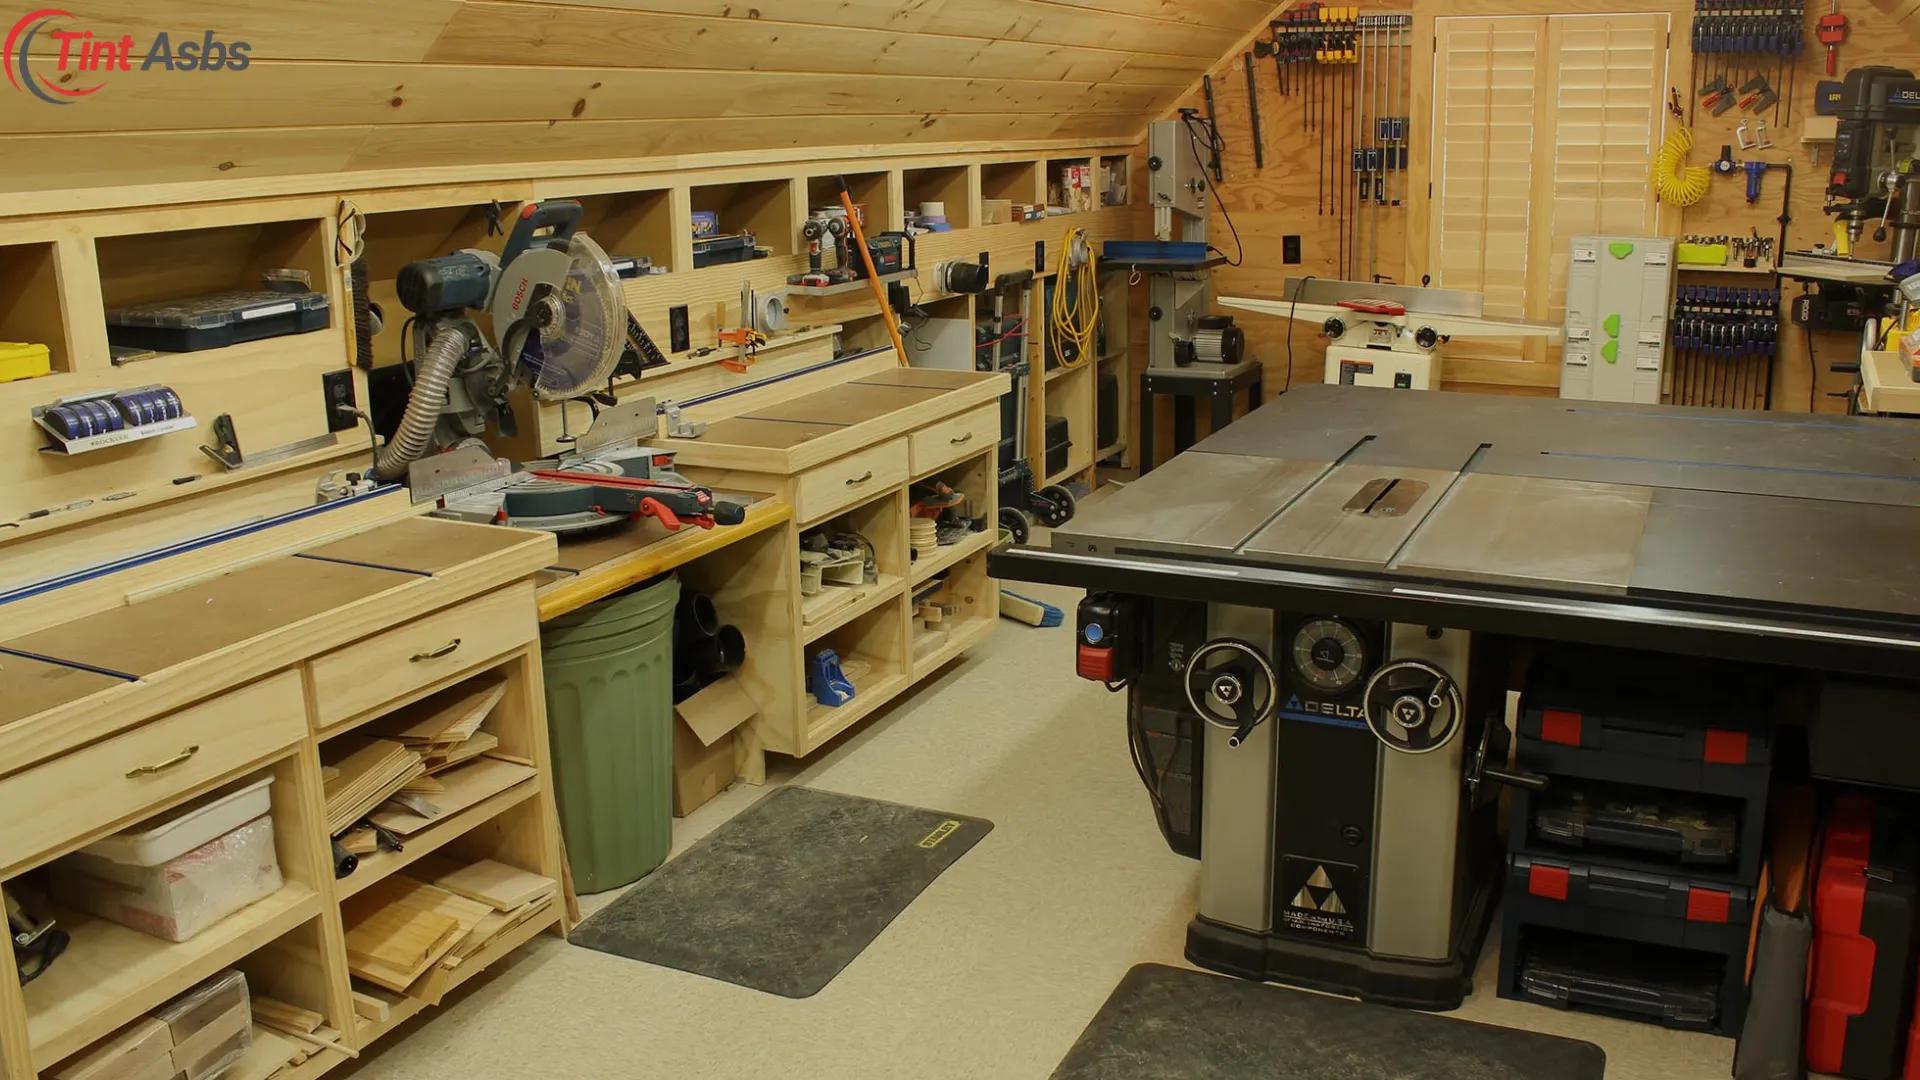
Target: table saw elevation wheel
(1413, 706)
(1231, 685)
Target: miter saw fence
(558, 318)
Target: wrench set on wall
(1351, 75)
(1724, 340)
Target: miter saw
(1387, 335)
(605, 481)
(559, 323)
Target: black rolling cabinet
(1631, 878)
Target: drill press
(1874, 173)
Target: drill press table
(1791, 540)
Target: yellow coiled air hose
(1676, 182)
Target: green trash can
(609, 673)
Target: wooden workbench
(1886, 385)
(168, 680)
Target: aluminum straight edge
(1865, 647)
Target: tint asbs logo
(76, 50)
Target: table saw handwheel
(1231, 685)
(1413, 706)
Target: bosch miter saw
(559, 323)
(560, 319)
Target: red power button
(1095, 662)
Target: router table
(1324, 606)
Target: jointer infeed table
(1328, 603)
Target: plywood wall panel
(424, 92)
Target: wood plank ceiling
(352, 85)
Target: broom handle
(873, 277)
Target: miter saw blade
(581, 346)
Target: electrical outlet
(1290, 250)
(336, 387)
(680, 336)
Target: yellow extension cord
(1073, 326)
(1676, 182)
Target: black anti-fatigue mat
(1165, 1023)
(785, 895)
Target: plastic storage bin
(1701, 835)
(1671, 988)
(216, 320)
(178, 898)
(609, 675)
(189, 825)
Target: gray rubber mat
(785, 895)
(1165, 1023)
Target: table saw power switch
(1105, 644)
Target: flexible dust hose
(431, 375)
(1676, 182)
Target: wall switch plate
(1290, 250)
(680, 337)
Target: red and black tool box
(1631, 719)
(1861, 1007)
(1658, 921)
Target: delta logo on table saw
(76, 50)
(1317, 905)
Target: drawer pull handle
(962, 440)
(161, 766)
(435, 654)
(861, 479)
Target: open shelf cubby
(872, 190)
(947, 185)
(636, 223)
(399, 237)
(30, 308)
(762, 207)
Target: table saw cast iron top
(1358, 566)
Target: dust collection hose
(431, 375)
(1676, 182)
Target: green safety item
(1612, 325)
(1620, 248)
(1611, 350)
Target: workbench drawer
(390, 665)
(941, 444)
(854, 478)
(134, 774)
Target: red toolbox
(1863, 946)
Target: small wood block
(371, 1008)
(498, 885)
(277, 1014)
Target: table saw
(1321, 616)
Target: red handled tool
(673, 505)
(1832, 30)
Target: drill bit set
(1351, 73)
(1723, 346)
(1750, 48)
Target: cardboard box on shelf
(996, 212)
(706, 736)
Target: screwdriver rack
(1747, 51)
(1351, 74)
(1724, 339)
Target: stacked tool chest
(1631, 878)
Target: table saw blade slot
(1386, 497)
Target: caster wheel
(1055, 506)
(1016, 523)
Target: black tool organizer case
(1675, 989)
(1653, 925)
(1708, 836)
(1611, 718)
(216, 320)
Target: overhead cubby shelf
(871, 190)
(762, 207)
(636, 224)
(947, 186)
